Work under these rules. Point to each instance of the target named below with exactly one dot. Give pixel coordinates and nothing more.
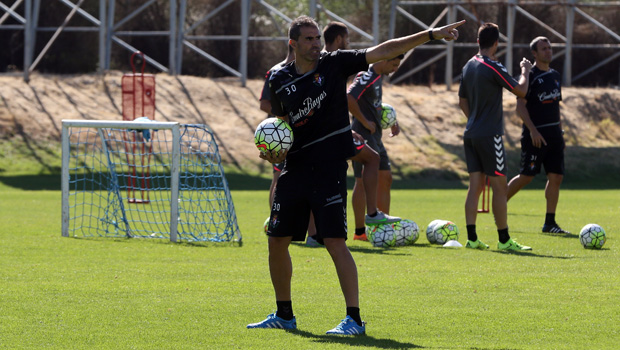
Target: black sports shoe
(553, 229)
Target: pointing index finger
(456, 24)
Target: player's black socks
(360, 231)
(373, 215)
(354, 312)
(550, 219)
(285, 310)
(471, 233)
(503, 235)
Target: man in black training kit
(542, 143)
(480, 99)
(310, 93)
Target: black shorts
(486, 155)
(550, 156)
(384, 160)
(358, 146)
(320, 188)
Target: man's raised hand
(448, 32)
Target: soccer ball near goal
(382, 236)
(447, 231)
(388, 116)
(273, 134)
(430, 230)
(407, 232)
(592, 236)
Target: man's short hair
(488, 34)
(534, 43)
(294, 30)
(333, 30)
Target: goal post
(183, 190)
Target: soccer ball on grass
(447, 231)
(430, 230)
(592, 236)
(406, 231)
(273, 134)
(382, 236)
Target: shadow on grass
(357, 341)
(531, 254)
(376, 250)
(236, 182)
(586, 169)
(561, 235)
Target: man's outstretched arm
(394, 47)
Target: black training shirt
(543, 99)
(316, 105)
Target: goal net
(144, 179)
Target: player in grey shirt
(480, 99)
(365, 98)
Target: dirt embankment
(431, 121)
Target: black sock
(471, 233)
(550, 219)
(503, 235)
(354, 312)
(285, 310)
(360, 231)
(373, 215)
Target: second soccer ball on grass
(445, 232)
(592, 236)
(382, 235)
(430, 230)
(407, 232)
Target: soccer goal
(144, 179)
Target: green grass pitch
(69, 293)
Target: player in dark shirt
(310, 93)
(265, 105)
(542, 143)
(480, 99)
(365, 97)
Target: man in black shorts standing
(310, 93)
(542, 143)
(265, 106)
(480, 99)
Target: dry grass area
(431, 121)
